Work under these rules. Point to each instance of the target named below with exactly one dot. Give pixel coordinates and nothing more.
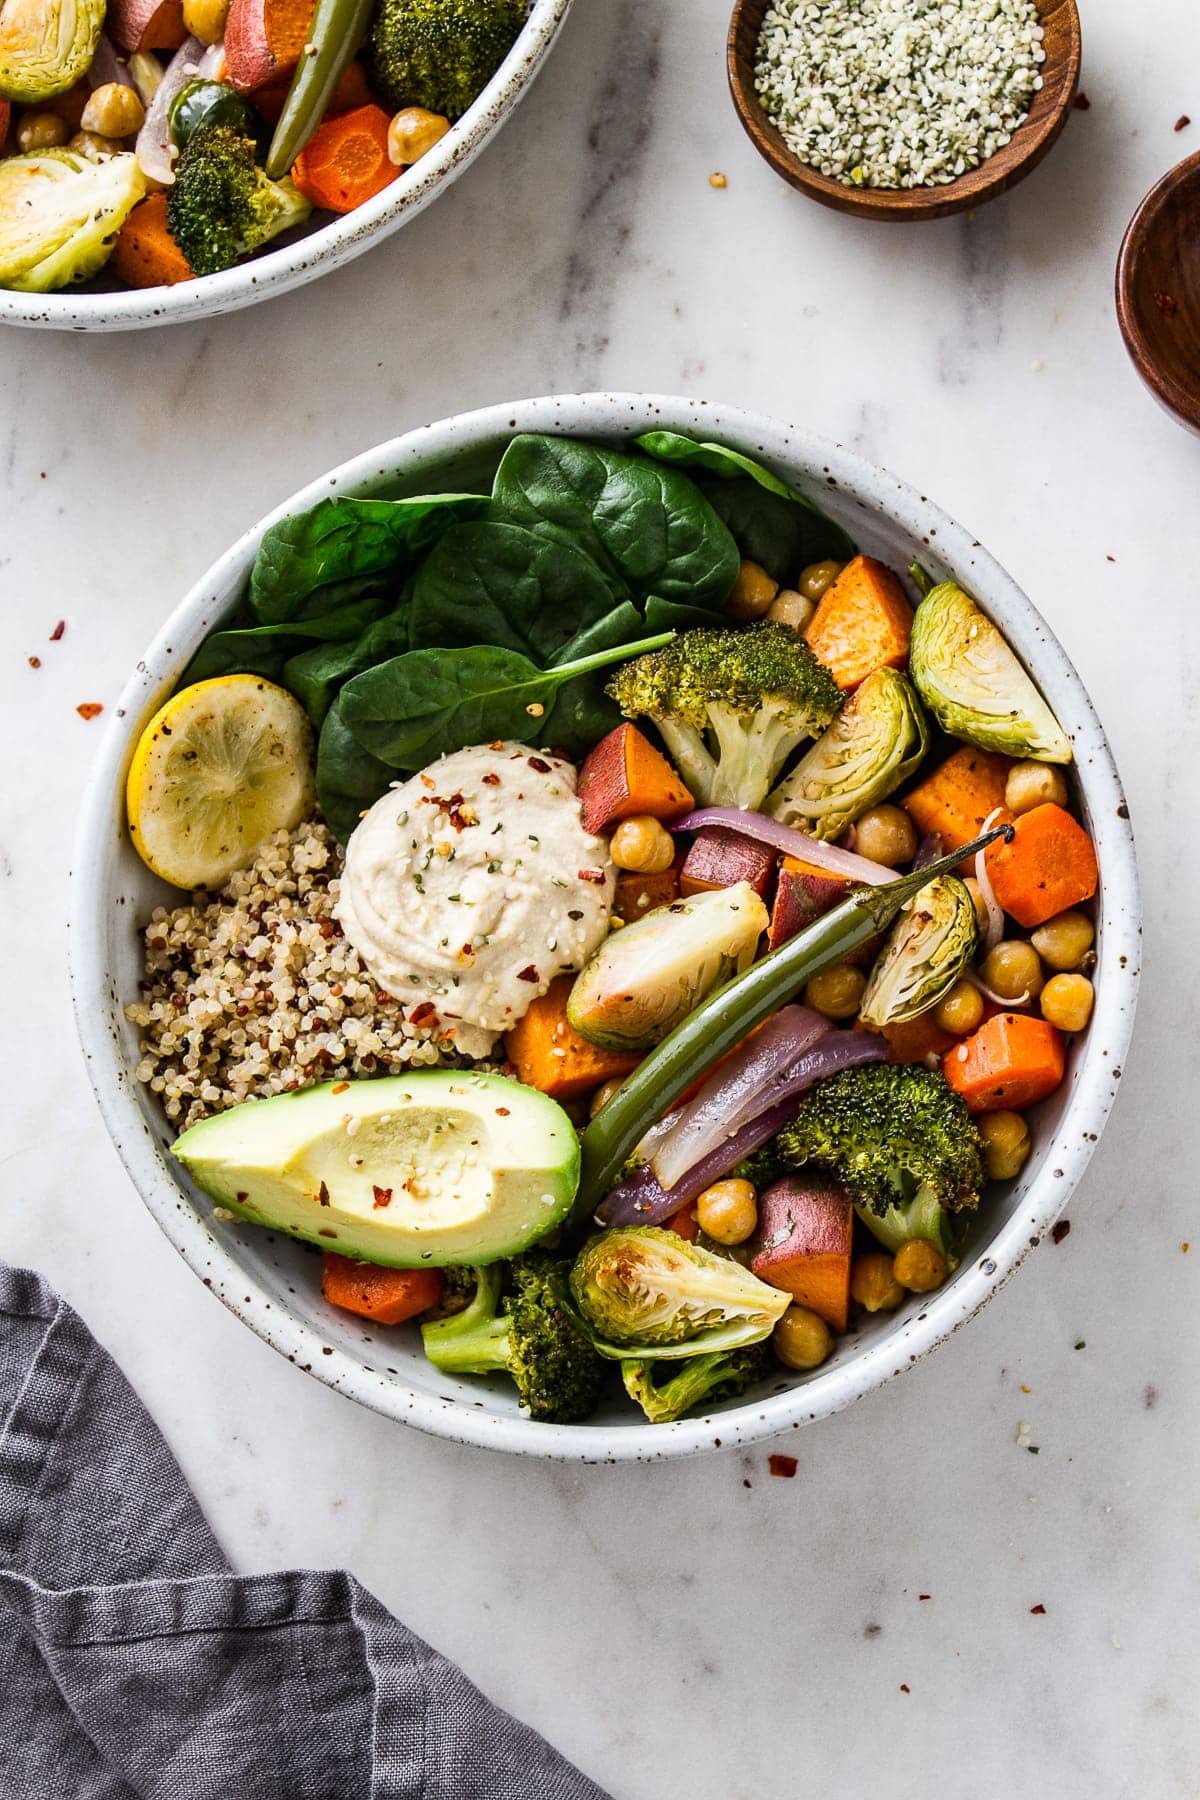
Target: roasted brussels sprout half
(59, 215)
(877, 740)
(651, 974)
(927, 950)
(46, 45)
(973, 684)
(644, 1292)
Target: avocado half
(415, 1171)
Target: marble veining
(696, 1631)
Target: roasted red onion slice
(995, 916)
(737, 1091)
(154, 149)
(789, 840)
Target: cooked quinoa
(255, 991)
(898, 93)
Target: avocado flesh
(440, 1166)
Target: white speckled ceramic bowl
(324, 246)
(272, 1283)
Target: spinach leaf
(504, 585)
(315, 675)
(646, 524)
(673, 615)
(341, 539)
(265, 649)
(418, 707)
(349, 778)
(772, 523)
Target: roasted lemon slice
(219, 768)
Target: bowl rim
(1034, 138)
(334, 243)
(1062, 1160)
(1181, 402)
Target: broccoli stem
(476, 1340)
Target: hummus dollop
(468, 888)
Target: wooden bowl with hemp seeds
(899, 109)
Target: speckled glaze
(270, 1283)
(328, 245)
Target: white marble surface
(697, 1631)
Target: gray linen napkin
(134, 1665)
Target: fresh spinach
(245, 648)
(349, 778)
(341, 539)
(772, 523)
(645, 524)
(423, 705)
(504, 585)
(315, 675)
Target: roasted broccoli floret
(731, 705)
(222, 206)
(718, 1376)
(534, 1335)
(441, 54)
(902, 1144)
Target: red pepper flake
(784, 1466)
(1060, 1231)
(1182, 122)
(340, 1087)
(492, 780)
(528, 973)
(904, 1688)
(539, 763)
(35, 662)
(924, 1596)
(324, 1233)
(329, 928)
(56, 634)
(383, 1196)
(243, 1196)
(1185, 1247)
(1039, 1608)
(90, 709)
(496, 744)
(1082, 103)
(323, 1194)
(1167, 304)
(596, 875)
(420, 1015)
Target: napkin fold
(135, 1665)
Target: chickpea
(1064, 941)
(1013, 970)
(413, 133)
(1033, 784)
(801, 1339)
(1006, 1144)
(816, 578)
(114, 111)
(42, 131)
(961, 1010)
(205, 19)
(95, 147)
(642, 845)
(753, 592)
(727, 1211)
(886, 834)
(836, 993)
(977, 900)
(1067, 1001)
(919, 1266)
(790, 608)
(873, 1283)
(603, 1095)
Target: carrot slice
(1050, 865)
(388, 1296)
(346, 162)
(863, 623)
(960, 794)
(1010, 1062)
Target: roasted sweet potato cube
(625, 775)
(721, 858)
(805, 1229)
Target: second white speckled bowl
(325, 245)
(273, 1284)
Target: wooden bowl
(1025, 149)
(1158, 291)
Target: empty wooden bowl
(1024, 150)
(1158, 291)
